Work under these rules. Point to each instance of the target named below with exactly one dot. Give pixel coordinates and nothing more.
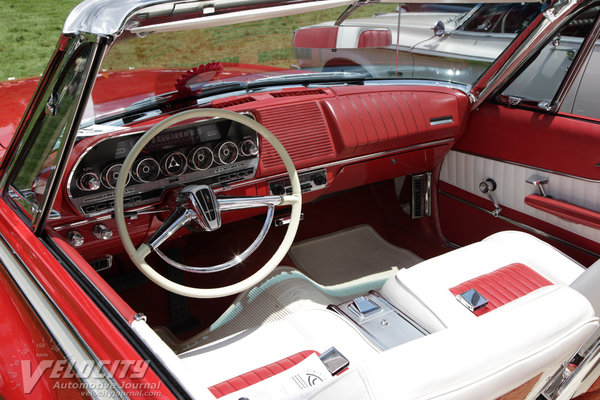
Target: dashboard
(338, 137)
(207, 152)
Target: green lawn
(29, 31)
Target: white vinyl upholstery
(481, 359)
(422, 291)
(254, 348)
(466, 171)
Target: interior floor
(344, 224)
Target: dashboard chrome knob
(248, 148)
(101, 231)
(89, 182)
(75, 238)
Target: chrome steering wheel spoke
(198, 205)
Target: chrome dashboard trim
(346, 161)
(218, 189)
(520, 224)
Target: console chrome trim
(385, 327)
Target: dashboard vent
(295, 93)
(232, 103)
(421, 195)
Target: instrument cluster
(209, 152)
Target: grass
(29, 31)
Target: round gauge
(248, 148)
(89, 182)
(111, 174)
(146, 170)
(200, 158)
(227, 152)
(174, 164)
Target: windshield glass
(382, 41)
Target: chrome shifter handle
(487, 187)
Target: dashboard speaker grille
(302, 130)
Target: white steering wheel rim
(138, 255)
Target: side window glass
(45, 137)
(583, 99)
(539, 82)
(501, 18)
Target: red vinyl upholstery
(375, 38)
(260, 374)
(503, 285)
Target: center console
(380, 322)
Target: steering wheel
(198, 205)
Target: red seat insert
(503, 285)
(260, 374)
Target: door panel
(509, 145)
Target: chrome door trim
(520, 224)
(550, 171)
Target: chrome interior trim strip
(346, 161)
(218, 189)
(550, 171)
(521, 225)
(73, 347)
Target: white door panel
(467, 171)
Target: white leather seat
(518, 345)
(423, 291)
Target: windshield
(366, 43)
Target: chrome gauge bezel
(104, 175)
(220, 146)
(165, 159)
(192, 158)
(242, 169)
(136, 172)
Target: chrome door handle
(539, 182)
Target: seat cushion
(424, 290)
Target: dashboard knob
(101, 231)
(75, 238)
(319, 179)
(89, 182)
(248, 148)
